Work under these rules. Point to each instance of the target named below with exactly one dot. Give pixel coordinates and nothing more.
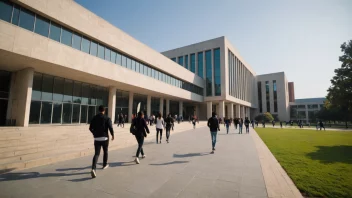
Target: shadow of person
(189, 155)
(169, 163)
(332, 154)
(33, 175)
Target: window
(76, 41)
(75, 113)
(200, 64)
(173, 59)
(15, 17)
(5, 11)
(259, 84)
(85, 45)
(107, 54)
(42, 26)
(34, 113)
(57, 110)
(124, 61)
(113, 57)
(180, 60)
(68, 90)
(118, 59)
(275, 95)
(45, 117)
(137, 67)
(129, 63)
(186, 62)
(217, 72)
(37, 87)
(85, 93)
(93, 48)
(47, 87)
(208, 73)
(26, 19)
(267, 96)
(66, 37)
(66, 113)
(77, 89)
(101, 51)
(84, 109)
(193, 63)
(58, 92)
(55, 31)
(133, 65)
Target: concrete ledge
(277, 182)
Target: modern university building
(59, 61)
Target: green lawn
(319, 162)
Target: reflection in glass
(58, 89)
(68, 90)
(200, 64)
(34, 113)
(66, 37)
(101, 51)
(55, 31)
(193, 63)
(107, 54)
(76, 41)
(91, 113)
(46, 113)
(118, 59)
(85, 45)
(47, 87)
(37, 87)
(5, 11)
(93, 48)
(15, 14)
(77, 92)
(85, 93)
(113, 57)
(217, 72)
(42, 26)
(66, 113)
(57, 109)
(84, 109)
(75, 113)
(26, 19)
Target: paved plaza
(182, 168)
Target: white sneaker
(144, 156)
(137, 160)
(106, 166)
(93, 174)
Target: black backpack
(133, 128)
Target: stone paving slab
(182, 168)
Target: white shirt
(159, 123)
(101, 139)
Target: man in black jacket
(99, 126)
(213, 124)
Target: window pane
(37, 87)
(92, 97)
(55, 31)
(34, 112)
(15, 15)
(91, 113)
(58, 89)
(133, 65)
(57, 109)
(180, 60)
(77, 92)
(85, 93)
(137, 67)
(85, 45)
(76, 41)
(66, 113)
(47, 87)
(149, 71)
(46, 113)
(129, 65)
(68, 90)
(101, 51)
(66, 37)
(5, 11)
(118, 59)
(123, 61)
(84, 109)
(93, 48)
(75, 113)
(107, 54)
(42, 26)
(113, 57)
(193, 63)
(200, 64)
(27, 19)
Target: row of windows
(275, 95)
(217, 72)
(24, 18)
(208, 73)
(259, 84)
(240, 75)
(267, 94)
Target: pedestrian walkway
(182, 168)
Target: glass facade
(267, 88)
(275, 95)
(17, 15)
(139, 98)
(155, 106)
(186, 62)
(180, 60)
(200, 64)
(122, 99)
(56, 100)
(173, 59)
(193, 63)
(259, 84)
(208, 73)
(217, 72)
(174, 108)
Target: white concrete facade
(306, 109)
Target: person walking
(235, 121)
(194, 122)
(321, 124)
(169, 122)
(263, 123)
(99, 126)
(227, 124)
(273, 123)
(246, 124)
(252, 122)
(240, 126)
(121, 121)
(256, 122)
(281, 124)
(213, 124)
(140, 130)
(159, 127)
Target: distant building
(291, 91)
(305, 109)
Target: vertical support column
(149, 105)
(161, 107)
(242, 112)
(21, 96)
(130, 106)
(209, 109)
(230, 110)
(167, 107)
(112, 103)
(221, 109)
(180, 108)
(238, 111)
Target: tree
(259, 117)
(268, 117)
(340, 91)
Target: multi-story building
(306, 109)
(57, 66)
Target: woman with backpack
(159, 127)
(139, 128)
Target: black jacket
(213, 124)
(141, 126)
(169, 122)
(99, 126)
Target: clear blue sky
(300, 37)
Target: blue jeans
(240, 129)
(213, 138)
(227, 128)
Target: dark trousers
(157, 134)
(97, 146)
(235, 126)
(167, 133)
(247, 128)
(140, 140)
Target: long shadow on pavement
(189, 155)
(169, 163)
